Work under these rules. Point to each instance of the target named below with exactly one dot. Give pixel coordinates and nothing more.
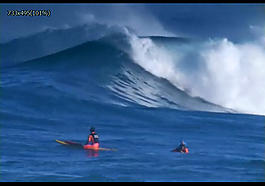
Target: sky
(221, 20)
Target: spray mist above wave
(51, 41)
(139, 18)
(224, 73)
(91, 23)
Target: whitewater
(144, 89)
(219, 71)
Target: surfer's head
(183, 143)
(92, 129)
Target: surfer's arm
(90, 138)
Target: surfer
(181, 148)
(93, 139)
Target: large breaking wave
(153, 71)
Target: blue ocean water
(143, 94)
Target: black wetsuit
(95, 138)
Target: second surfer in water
(182, 148)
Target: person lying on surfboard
(181, 148)
(93, 139)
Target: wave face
(115, 66)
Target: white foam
(232, 76)
(235, 76)
(156, 60)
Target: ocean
(143, 94)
